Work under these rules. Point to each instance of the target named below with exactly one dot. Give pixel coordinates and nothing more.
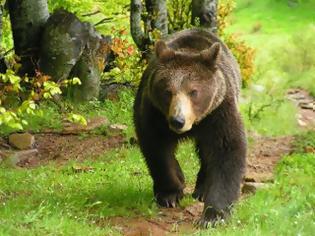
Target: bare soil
(59, 148)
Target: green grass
(276, 18)
(286, 208)
(57, 200)
(284, 44)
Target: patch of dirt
(263, 155)
(59, 148)
(306, 107)
(170, 221)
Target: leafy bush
(127, 66)
(179, 14)
(19, 98)
(244, 54)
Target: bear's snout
(177, 122)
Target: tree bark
(155, 19)
(206, 12)
(157, 10)
(140, 38)
(27, 19)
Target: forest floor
(60, 148)
(96, 183)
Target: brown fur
(192, 64)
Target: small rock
(22, 141)
(4, 144)
(310, 106)
(19, 157)
(302, 123)
(117, 128)
(81, 169)
(94, 123)
(252, 187)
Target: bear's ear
(163, 52)
(211, 55)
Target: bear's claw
(210, 218)
(198, 194)
(169, 200)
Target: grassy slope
(276, 24)
(276, 19)
(54, 200)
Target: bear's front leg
(224, 157)
(168, 178)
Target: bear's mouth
(179, 126)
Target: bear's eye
(168, 93)
(193, 93)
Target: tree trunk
(205, 11)
(157, 10)
(27, 18)
(155, 19)
(140, 38)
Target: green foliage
(264, 105)
(299, 72)
(267, 112)
(76, 118)
(76, 6)
(179, 14)
(70, 199)
(20, 96)
(128, 66)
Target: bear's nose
(177, 122)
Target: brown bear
(190, 89)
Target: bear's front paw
(169, 199)
(198, 193)
(211, 217)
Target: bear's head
(186, 85)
